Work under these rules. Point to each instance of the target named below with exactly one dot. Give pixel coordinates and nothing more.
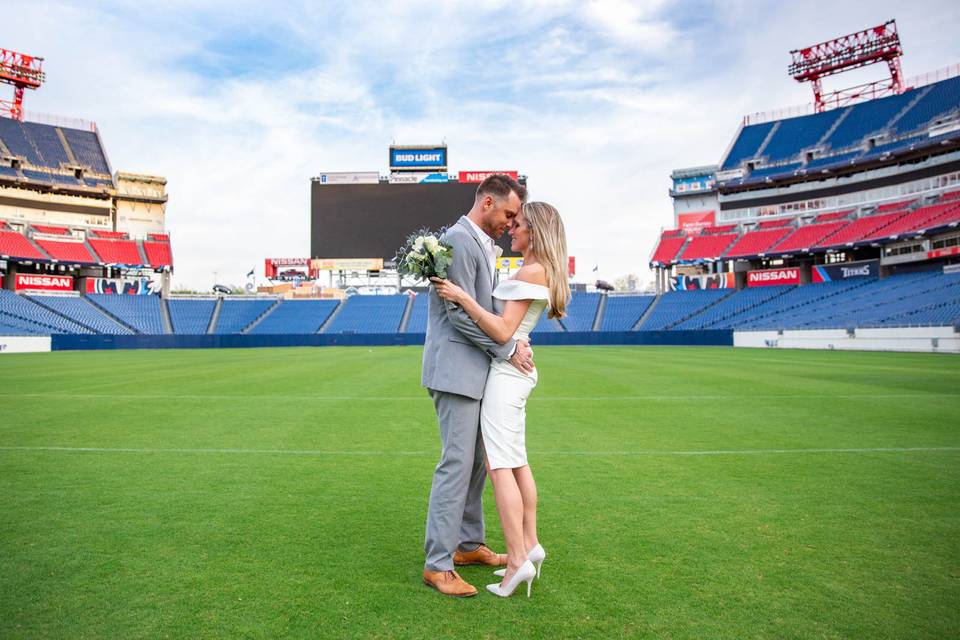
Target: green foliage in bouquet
(424, 255)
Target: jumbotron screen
(373, 220)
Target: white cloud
(595, 102)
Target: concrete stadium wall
(81, 342)
(24, 344)
(922, 339)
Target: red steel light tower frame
(870, 46)
(23, 72)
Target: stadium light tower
(23, 72)
(870, 46)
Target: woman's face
(519, 234)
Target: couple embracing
(479, 370)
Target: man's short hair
(499, 186)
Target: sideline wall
(24, 344)
(922, 339)
(80, 342)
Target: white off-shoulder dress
(503, 409)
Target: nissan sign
(36, 282)
(769, 277)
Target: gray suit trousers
(455, 513)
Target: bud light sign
(418, 158)
(772, 277)
(830, 272)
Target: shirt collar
(480, 233)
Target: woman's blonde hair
(548, 241)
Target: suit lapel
(483, 252)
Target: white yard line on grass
(426, 399)
(647, 452)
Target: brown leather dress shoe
(480, 555)
(449, 583)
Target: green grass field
(685, 493)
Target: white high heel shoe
(525, 573)
(536, 556)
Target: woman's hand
(447, 290)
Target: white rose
(431, 242)
(418, 243)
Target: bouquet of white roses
(424, 255)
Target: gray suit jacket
(457, 353)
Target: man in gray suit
(456, 360)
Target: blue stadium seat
(675, 306)
(47, 142)
(942, 99)
(296, 316)
(547, 325)
(86, 149)
(81, 310)
(15, 139)
(140, 312)
(190, 316)
(747, 144)
(369, 314)
(581, 312)
(621, 313)
(867, 118)
(796, 134)
(19, 311)
(721, 315)
(237, 314)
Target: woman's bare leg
(528, 495)
(510, 508)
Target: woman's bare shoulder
(532, 273)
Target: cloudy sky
(239, 103)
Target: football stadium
(764, 443)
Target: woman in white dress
(538, 234)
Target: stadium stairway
(211, 328)
(110, 315)
(165, 316)
(406, 315)
(598, 318)
(261, 317)
(80, 310)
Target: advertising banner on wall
(771, 277)
(706, 281)
(417, 177)
(42, 282)
(346, 177)
(512, 263)
(346, 264)
(122, 286)
(480, 176)
(693, 223)
(418, 158)
(288, 269)
(831, 272)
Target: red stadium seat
(113, 235)
(708, 247)
(117, 251)
(755, 243)
(667, 249)
(15, 245)
(895, 206)
(158, 254)
(775, 224)
(66, 251)
(808, 236)
(59, 231)
(838, 215)
(865, 228)
(917, 221)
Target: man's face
(499, 213)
